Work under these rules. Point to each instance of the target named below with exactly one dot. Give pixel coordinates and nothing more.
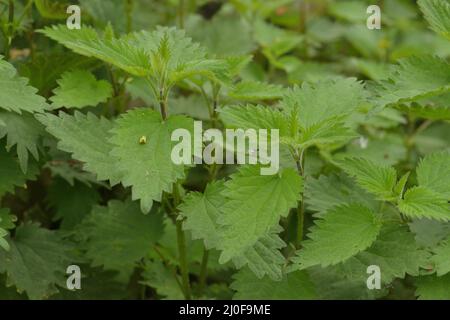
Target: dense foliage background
(86, 178)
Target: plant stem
(10, 29)
(304, 6)
(300, 222)
(129, 13)
(181, 239)
(193, 4)
(181, 13)
(203, 270)
(301, 207)
(167, 264)
(163, 104)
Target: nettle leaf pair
(163, 58)
(361, 225)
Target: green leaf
(330, 131)
(437, 13)
(433, 173)
(192, 106)
(377, 179)
(15, 93)
(343, 232)
(37, 261)
(441, 258)
(294, 286)
(222, 35)
(24, 132)
(47, 67)
(421, 202)
(111, 12)
(274, 40)
(72, 203)
(254, 205)
(3, 243)
(394, 251)
(72, 172)
(201, 211)
(351, 11)
(433, 287)
(415, 78)
(159, 276)
(88, 42)
(264, 258)
(96, 284)
(6, 223)
(256, 91)
(332, 284)
(328, 191)
(52, 9)
(86, 138)
(79, 89)
(254, 117)
(174, 57)
(10, 173)
(119, 235)
(314, 103)
(428, 232)
(147, 167)
(387, 149)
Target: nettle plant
(353, 192)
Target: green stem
(425, 125)
(129, 13)
(193, 5)
(304, 6)
(26, 10)
(113, 80)
(181, 13)
(300, 221)
(409, 141)
(182, 252)
(10, 30)
(181, 240)
(203, 270)
(163, 104)
(301, 207)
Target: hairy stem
(203, 270)
(304, 6)
(129, 14)
(300, 161)
(10, 29)
(193, 4)
(167, 264)
(181, 13)
(163, 104)
(182, 252)
(181, 240)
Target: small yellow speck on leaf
(143, 140)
